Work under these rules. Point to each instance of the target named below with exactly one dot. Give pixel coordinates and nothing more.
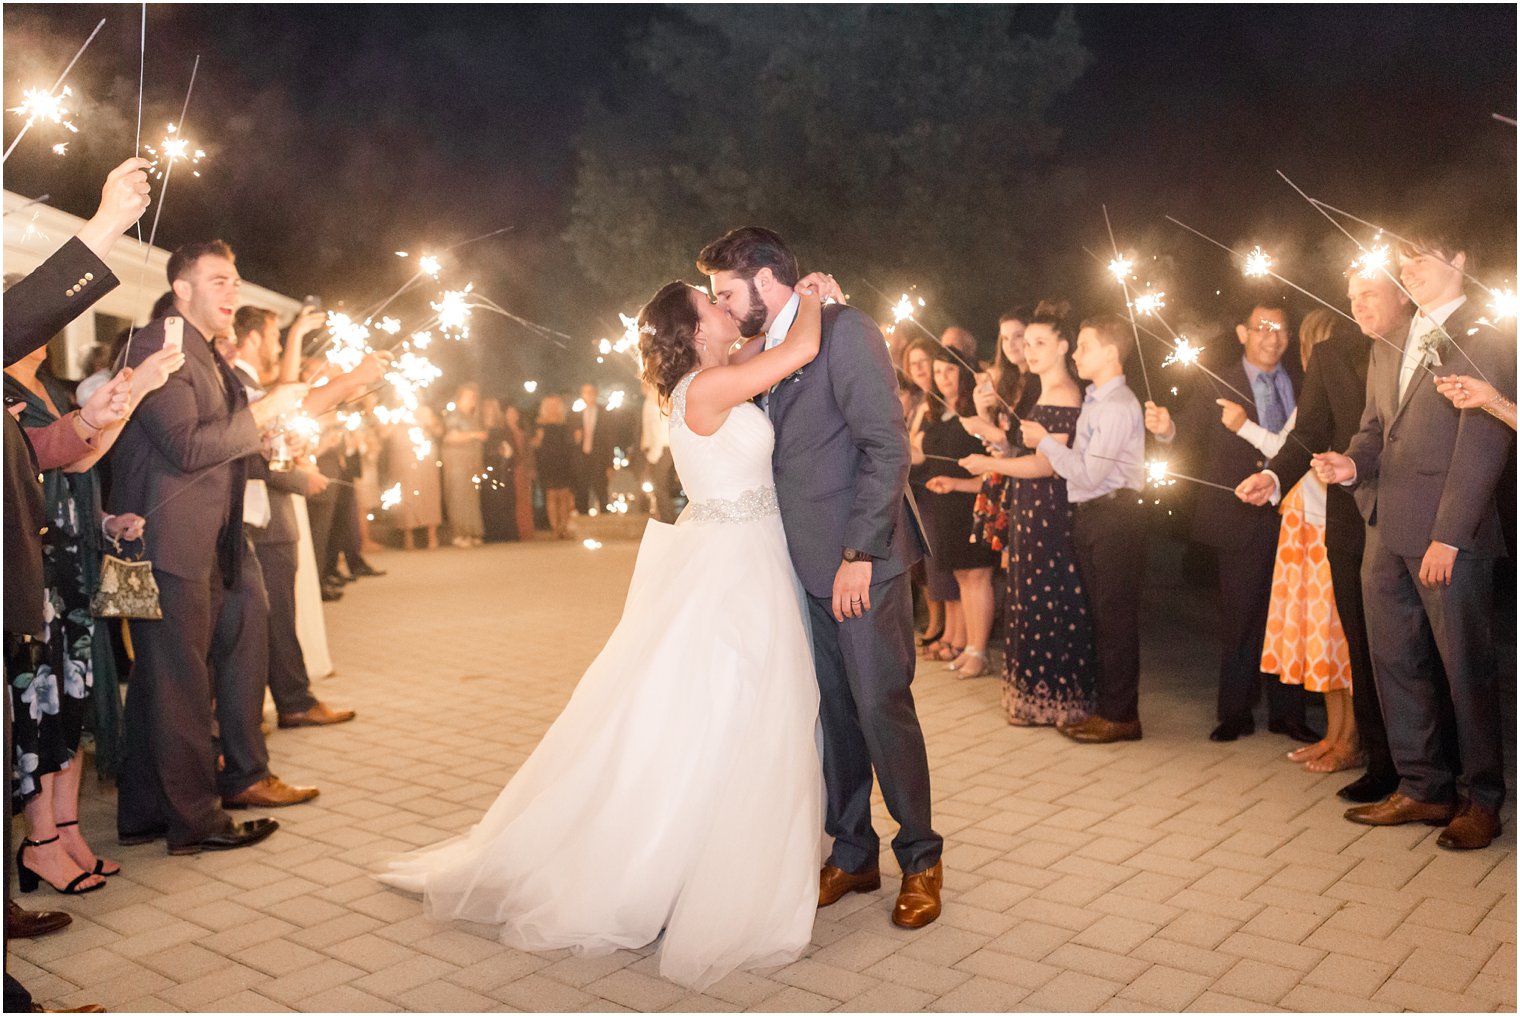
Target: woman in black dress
(498, 489)
(555, 451)
(1049, 675)
(949, 513)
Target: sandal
(963, 665)
(1334, 760)
(946, 652)
(1309, 752)
(28, 880)
(926, 639)
(100, 865)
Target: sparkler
(1390, 275)
(1505, 304)
(1258, 264)
(62, 148)
(50, 93)
(173, 148)
(903, 311)
(530, 387)
(1369, 264)
(453, 310)
(1293, 285)
(45, 106)
(591, 544)
(1183, 352)
(614, 399)
(390, 497)
(1150, 303)
(1121, 267)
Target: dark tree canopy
(892, 145)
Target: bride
(680, 791)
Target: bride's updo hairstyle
(668, 338)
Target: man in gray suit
(841, 467)
(1424, 474)
(179, 463)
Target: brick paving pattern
(1171, 874)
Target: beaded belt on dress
(749, 506)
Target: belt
(1121, 495)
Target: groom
(841, 465)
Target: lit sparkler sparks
(390, 497)
(530, 387)
(579, 406)
(1121, 268)
(173, 148)
(61, 148)
(428, 265)
(904, 310)
(1258, 264)
(1149, 303)
(1183, 352)
(614, 399)
(1505, 304)
(389, 325)
(453, 310)
(1156, 473)
(1372, 261)
(350, 341)
(39, 105)
(592, 544)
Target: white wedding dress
(681, 788)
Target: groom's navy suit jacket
(841, 458)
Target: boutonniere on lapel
(1432, 344)
(793, 376)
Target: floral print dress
(51, 680)
(1050, 670)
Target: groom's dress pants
(865, 666)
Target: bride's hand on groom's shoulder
(823, 285)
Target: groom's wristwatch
(852, 555)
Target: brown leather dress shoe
(270, 792)
(918, 899)
(1097, 730)
(1398, 809)
(23, 923)
(1473, 829)
(92, 1007)
(834, 882)
(319, 715)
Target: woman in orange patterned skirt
(1305, 642)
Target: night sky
(340, 134)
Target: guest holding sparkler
(1470, 393)
(948, 513)
(1424, 474)
(1328, 416)
(1049, 676)
(937, 582)
(998, 394)
(463, 461)
(1244, 537)
(524, 472)
(1306, 643)
(558, 466)
(1104, 471)
(269, 510)
(414, 467)
(498, 494)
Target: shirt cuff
(1276, 486)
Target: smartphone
(174, 333)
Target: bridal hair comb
(646, 329)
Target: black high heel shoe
(28, 879)
(100, 865)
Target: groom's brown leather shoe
(918, 900)
(1398, 810)
(834, 882)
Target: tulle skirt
(681, 788)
